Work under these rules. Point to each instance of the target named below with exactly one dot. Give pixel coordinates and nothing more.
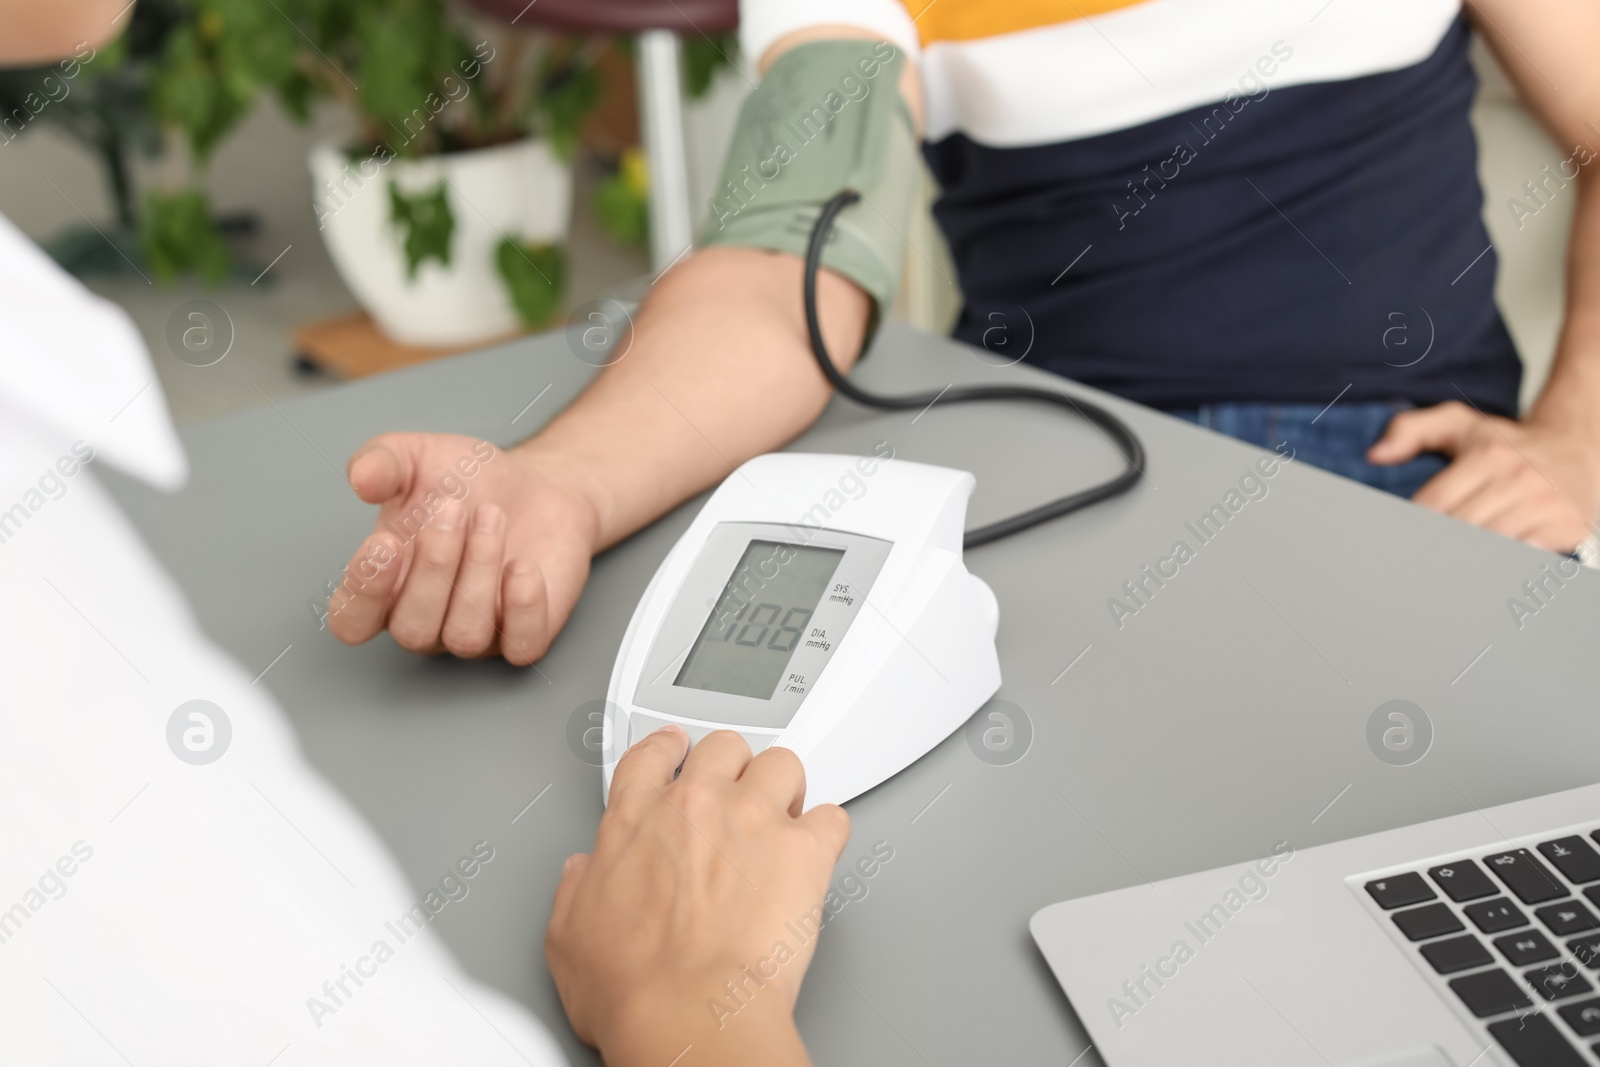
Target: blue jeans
(1335, 439)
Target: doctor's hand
(477, 550)
(694, 920)
(1536, 482)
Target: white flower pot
(519, 190)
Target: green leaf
(216, 61)
(535, 277)
(567, 96)
(296, 92)
(179, 236)
(703, 57)
(623, 212)
(426, 223)
(406, 50)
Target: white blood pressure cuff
(828, 116)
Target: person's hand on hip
(1536, 482)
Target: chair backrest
(684, 17)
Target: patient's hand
(477, 550)
(1533, 479)
(711, 879)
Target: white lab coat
(153, 911)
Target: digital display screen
(760, 619)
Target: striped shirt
(1193, 201)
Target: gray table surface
(1228, 714)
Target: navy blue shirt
(1276, 247)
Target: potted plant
(119, 101)
(447, 214)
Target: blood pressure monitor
(818, 602)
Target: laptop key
(1492, 916)
(1457, 954)
(1574, 858)
(1558, 982)
(1530, 946)
(1462, 881)
(1490, 993)
(1567, 917)
(1583, 1017)
(1526, 876)
(1430, 920)
(1399, 891)
(1587, 949)
(1534, 1041)
(1593, 893)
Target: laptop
(1470, 941)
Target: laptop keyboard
(1514, 935)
